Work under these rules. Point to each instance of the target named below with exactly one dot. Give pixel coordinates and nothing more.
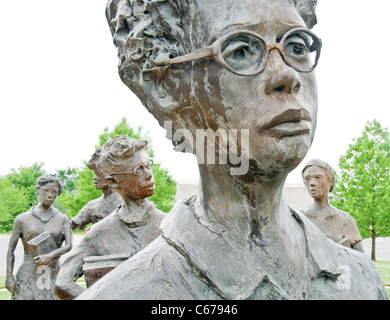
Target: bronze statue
(43, 230)
(236, 68)
(126, 168)
(319, 180)
(100, 208)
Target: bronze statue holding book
(43, 230)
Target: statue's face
(317, 182)
(278, 106)
(136, 181)
(48, 193)
(99, 181)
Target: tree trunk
(373, 237)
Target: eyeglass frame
(214, 51)
(133, 172)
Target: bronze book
(96, 267)
(42, 243)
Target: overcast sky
(60, 87)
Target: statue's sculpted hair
(49, 178)
(117, 151)
(148, 30)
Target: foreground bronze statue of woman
(43, 231)
(336, 224)
(232, 65)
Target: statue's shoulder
(143, 276)
(23, 216)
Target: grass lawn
(383, 268)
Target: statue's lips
(288, 123)
(48, 202)
(291, 128)
(150, 187)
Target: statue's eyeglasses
(138, 170)
(245, 52)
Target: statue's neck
(321, 203)
(135, 209)
(236, 204)
(107, 191)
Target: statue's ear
(112, 181)
(161, 86)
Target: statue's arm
(66, 287)
(68, 239)
(55, 254)
(82, 218)
(10, 280)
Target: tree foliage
(165, 190)
(17, 189)
(124, 129)
(13, 201)
(24, 179)
(17, 193)
(68, 178)
(72, 201)
(363, 188)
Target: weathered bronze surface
(97, 209)
(336, 224)
(125, 166)
(237, 239)
(43, 231)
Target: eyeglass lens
(139, 169)
(245, 53)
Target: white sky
(60, 87)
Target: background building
(295, 195)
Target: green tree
(72, 201)
(24, 179)
(165, 189)
(363, 187)
(124, 129)
(12, 202)
(68, 178)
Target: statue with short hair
(97, 209)
(126, 168)
(231, 70)
(319, 180)
(43, 231)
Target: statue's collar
(130, 221)
(246, 271)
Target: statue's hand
(43, 259)
(10, 284)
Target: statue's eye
(244, 52)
